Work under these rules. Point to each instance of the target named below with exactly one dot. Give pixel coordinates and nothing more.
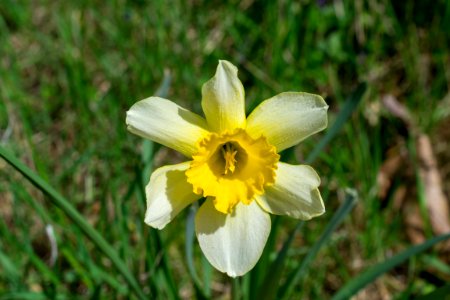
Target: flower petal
(288, 118)
(223, 99)
(168, 192)
(295, 193)
(232, 243)
(165, 122)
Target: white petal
(234, 242)
(295, 193)
(288, 118)
(168, 192)
(164, 122)
(223, 99)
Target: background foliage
(69, 70)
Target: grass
(70, 70)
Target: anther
(229, 155)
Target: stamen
(229, 154)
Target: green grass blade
(349, 106)
(236, 290)
(58, 200)
(9, 269)
(440, 293)
(269, 287)
(165, 270)
(104, 276)
(25, 296)
(164, 279)
(189, 248)
(261, 272)
(434, 262)
(352, 287)
(45, 272)
(270, 280)
(207, 272)
(338, 217)
(163, 89)
(78, 267)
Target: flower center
(229, 154)
(232, 167)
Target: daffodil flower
(233, 163)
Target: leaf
(272, 277)
(9, 269)
(24, 296)
(269, 287)
(360, 281)
(349, 106)
(189, 248)
(58, 200)
(439, 293)
(338, 217)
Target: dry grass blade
(437, 203)
(397, 109)
(390, 167)
(414, 223)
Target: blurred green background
(69, 70)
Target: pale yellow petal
(295, 193)
(288, 118)
(165, 122)
(234, 242)
(168, 193)
(223, 99)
